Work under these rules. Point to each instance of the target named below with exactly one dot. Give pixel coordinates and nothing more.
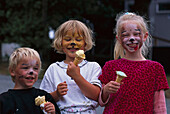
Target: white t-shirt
(74, 100)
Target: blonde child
(75, 88)
(24, 66)
(142, 92)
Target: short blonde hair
(73, 25)
(21, 53)
(128, 16)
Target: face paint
(71, 40)
(21, 76)
(131, 37)
(26, 73)
(136, 48)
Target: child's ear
(12, 72)
(145, 36)
(118, 39)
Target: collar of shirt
(64, 65)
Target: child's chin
(30, 85)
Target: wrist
(105, 92)
(77, 77)
(57, 93)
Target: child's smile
(131, 37)
(72, 42)
(26, 73)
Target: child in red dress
(142, 91)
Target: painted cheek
(80, 44)
(65, 44)
(136, 48)
(124, 41)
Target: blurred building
(159, 14)
(7, 49)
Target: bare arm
(89, 90)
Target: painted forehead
(27, 60)
(74, 32)
(130, 26)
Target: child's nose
(73, 44)
(31, 73)
(132, 39)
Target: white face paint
(131, 37)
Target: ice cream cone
(40, 101)
(79, 56)
(120, 76)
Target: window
(163, 7)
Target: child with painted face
(24, 66)
(75, 88)
(142, 91)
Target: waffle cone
(119, 78)
(76, 60)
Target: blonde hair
(21, 53)
(73, 25)
(121, 18)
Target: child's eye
(136, 34)
(66, 38)
(36, 68)
(124, 35)
(79, 39)
(24, 67)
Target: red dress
(136, 95)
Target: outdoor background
(27, 23)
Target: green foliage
(26, 22)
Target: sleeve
(161, 81)
(159, 103)
(96, 72)
(101, 103)
(47, 81)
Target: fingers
(111, 87)
(49, 107)
(64, 92)
(71, 65)
(62, 89)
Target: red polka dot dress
(136, 95)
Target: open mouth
(132, 45)
(73, 49)
(29, 78)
